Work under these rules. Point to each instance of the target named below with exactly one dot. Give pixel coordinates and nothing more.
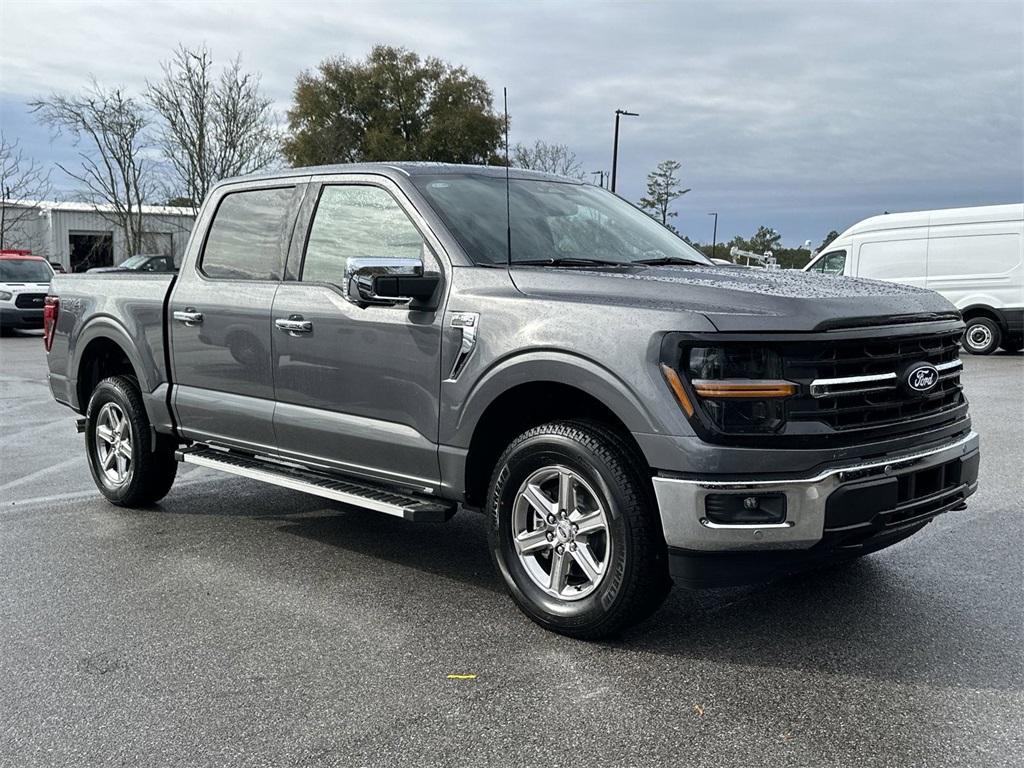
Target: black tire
(635, 576)
(1012, 345)
(148, 474)
(982, 336)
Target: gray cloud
(803, 116)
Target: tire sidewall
(108, 392)
(524, 458)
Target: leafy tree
(111, 129)
(828, 239)
(213, 126)
(551, 158)
(662, 190)
(765, 239)
(392, 106)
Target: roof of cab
(406, 169)
(981, 213)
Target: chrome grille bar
(858, 385)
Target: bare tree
(662, 190)
(551, 158)
(23, 183)
(213, 126)
(111, 129)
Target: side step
(358, 493)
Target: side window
(355, 222)
(833, 263)
(249, 235)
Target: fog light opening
(745, 508)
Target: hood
(741, 299)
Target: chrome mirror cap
(360, 274)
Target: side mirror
(386, 282)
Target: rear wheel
(982, 336)
(124, 466)
(573, 530)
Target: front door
(220, 319)
(358, 391)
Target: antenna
(508, 201)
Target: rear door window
(249, 235)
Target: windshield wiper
(569, 261)
(662, 260)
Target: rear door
(220, 316)
(359, 391)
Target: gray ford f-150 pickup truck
(410, 338)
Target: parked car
(623, 411)
(972, 256)
(24, 281)
(142, 262)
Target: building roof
(78, 207)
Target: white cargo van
(972, 256)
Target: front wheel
(982, 336)
(126, 469)
(574, 531)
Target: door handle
(189, 317)
(294, 325)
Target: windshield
(24, 271)
(133, 262)
(551, 222)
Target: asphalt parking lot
(239, 624)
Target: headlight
(5, 295)
(734, 389)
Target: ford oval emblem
(921, 378)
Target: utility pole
(714, 237)
(615, 147)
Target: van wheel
(574, 532)
(982, 336)
(117, 441)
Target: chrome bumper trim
(681, 502)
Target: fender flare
(556, 367)
(106, 327)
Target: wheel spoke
(107, 461)
(566, 492)
(122, 466)
(126, 451)
(559, 571)
(585, 559)
(588, 523)
(532, 542)
(541, 503)
(105, 433)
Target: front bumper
(842, 501)
(15, 317)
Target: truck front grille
(30, 300)
(854, 384)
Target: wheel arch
(526, 392)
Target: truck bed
(123, 307)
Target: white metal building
(82, 235)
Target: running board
(378, 498)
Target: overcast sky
(802, 116)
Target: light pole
(615, 147)
(714, 236)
